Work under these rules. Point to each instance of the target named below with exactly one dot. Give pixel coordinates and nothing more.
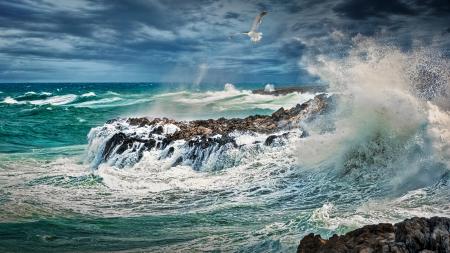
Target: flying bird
(254, 35)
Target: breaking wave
(54, 100)
(386, 138)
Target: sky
(188, 40)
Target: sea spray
(390, 128)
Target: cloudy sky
(180, 40)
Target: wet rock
(202, 138)
(411, 235)
(270, 140)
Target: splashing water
(379, 154)
(269, 87)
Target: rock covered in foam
(122, 142)
(411, 235)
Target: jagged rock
(125, 140)
(412, 235)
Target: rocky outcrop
(412, 235)
(281, 119)
(122, 142)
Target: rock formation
(122, 142)
(412, 235)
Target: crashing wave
(46, 99)
(89, 94)
(10, 100)
(31, 95)
(55, 100)
(201, 144)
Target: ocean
(380, 154)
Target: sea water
(381, 154)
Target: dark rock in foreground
(412, 235)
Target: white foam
(89, 94)
(104, 102)
(55, 100)
(170, 129)
(439, 130)
(10, 100)
(154, 175)
(230, 99)
(322, 216)
(248, 138)
(32, 93)
(269, 87)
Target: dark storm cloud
(232, 15)
(293, 49)
(434, 7)
(139, 40)
(361, 9)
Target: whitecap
(105, 102)
(10, 100)
(89, 94)
(55, 100)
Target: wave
(89, 94)
(55, 100)
(48, 99)
(31, 95)
(381, 142)
(385, 129)
(98, 103)
(224, 103)
(10, 100)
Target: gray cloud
(142, 40)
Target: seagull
(254, 35)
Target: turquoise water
(58, 115)
(52, 201)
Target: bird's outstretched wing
(233, 35)
(258, 21)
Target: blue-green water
(36, 116)
(52, 201)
